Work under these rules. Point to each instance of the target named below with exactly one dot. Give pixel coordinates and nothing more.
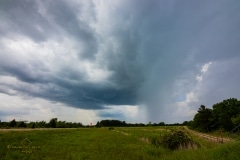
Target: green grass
(101, 143)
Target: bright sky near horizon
(131, 60)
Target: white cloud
(204, 69)
(37, 109)
(51, 57)
(94, 72)
(213, 85)
(128, 113)
(185, 109)
(25, 109)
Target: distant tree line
(111, 123)
(224, 115)
(118, 123)
(53, 123)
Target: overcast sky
(132, 60)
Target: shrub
(174, 140)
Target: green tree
(203, 119)
(61, 124)
(161, 124)
(236, 120)
(53, 123)
(98, 124)
(41, 124)
(225, 112)
(22, 124)
(31, 125)
(112, 123)
(185, 123)
(12, 123)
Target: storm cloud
(93, 55)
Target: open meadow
(120, 143)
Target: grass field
(102, 143)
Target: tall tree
(53, 123)
(12, 123)
(224, 112)
(203, 119)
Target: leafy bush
(174, 140)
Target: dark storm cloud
(24, 73)
(22, 17)
(93, 97)
(110, 115)
(65, 16)
(143, 49)
(41, 20)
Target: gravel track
(209, 137)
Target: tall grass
(101, 143)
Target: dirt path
(209, 137)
